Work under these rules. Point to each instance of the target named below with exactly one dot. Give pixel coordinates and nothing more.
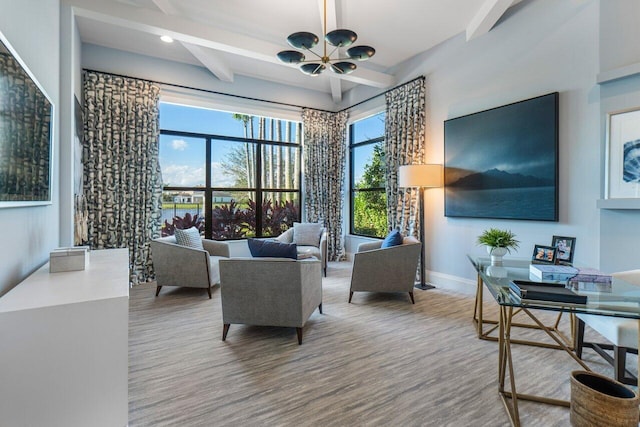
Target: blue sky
(183, 159)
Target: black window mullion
(208, 203)
(258, 189)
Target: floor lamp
(420, 176)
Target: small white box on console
(69, 259)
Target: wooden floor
(379, 361)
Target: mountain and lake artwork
(503, 163)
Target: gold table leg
(510, 396)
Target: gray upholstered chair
(393, 269)
(269, 292)
(622, 334)
(177, 265)
(319, 249)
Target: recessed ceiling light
(166, 39)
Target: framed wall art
(622, 177)
(503, 163)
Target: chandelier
(337, 39)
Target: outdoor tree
(370, 207)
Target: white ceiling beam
(487, 16)
(331, 24)
(336, 89)
(210, 59)
(195, 33)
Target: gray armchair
(319, 250)
(269, 292)
(393, 269)
(177, 265)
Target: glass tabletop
(622, 301)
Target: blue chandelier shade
(312, 69)
(343, 67)
(303, 40)
(291, 56)
(361, 53)
(341, 38)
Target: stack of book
(551, 273)
(590, 279)
(545, 292)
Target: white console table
(64, 346)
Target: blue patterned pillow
(272, 248)
(394, 238)
(190, 238)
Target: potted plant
(498, 243)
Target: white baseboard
(450, 282)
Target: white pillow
(190, 238)
(306, 233)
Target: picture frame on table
(565, 249)
(544, 254)
(622, 164)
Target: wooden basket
(597, 400)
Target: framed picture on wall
(544, 254)
(503, 162)
(622, 178)
(565, 249)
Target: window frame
(352, 190)
(258, 189)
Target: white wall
(130, 64)
(620, 229)
(540, 47)
(32, 28)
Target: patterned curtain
(404, 145)
(324, 165)
(122, 181)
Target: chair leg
(350, 296)
(158, 290)
(299, 332)
(209, 290)
(320, 308)
(225, 331)
(580, 338)
(325, 272)
(619, 362)
(411, 296)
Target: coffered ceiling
(242, 37)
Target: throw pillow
(189, 237)
(394, 238)
(272, 248)
(307, 233)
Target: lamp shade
(420, 176)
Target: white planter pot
(496, 254)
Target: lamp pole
(422, 285)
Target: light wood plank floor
(379, 361)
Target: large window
(367, 177)
(230, 175)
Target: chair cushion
(621, 332)
(189, 237)
(308, 252)
(272, 248)
(307, 233)
(394, 238)
(214, 269)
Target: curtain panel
(404, 145)
(324, 149)
(122, 180)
